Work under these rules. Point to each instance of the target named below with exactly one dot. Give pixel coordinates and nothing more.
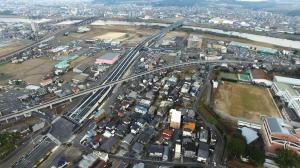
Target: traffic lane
(111, 77)
(20, 152)
(218, 153)
(39, 151)
(119, 70)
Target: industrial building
(108, 58)
(80, 68)
(259, 49)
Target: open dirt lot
(13, 46)
(172, 34)
(32, 71)
(110, 36)
(244, 101)
(134, 34)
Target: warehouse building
(80, 68)
(108, 58)
(259, 49)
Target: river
(253, 37)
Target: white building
(83, 29)
(177, 151)
(288, 91)
(220, 21)
(175, 118)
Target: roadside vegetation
(202, 107)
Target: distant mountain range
(254, 4)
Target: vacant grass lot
(32, 71)
(244, 101)
(13, 45)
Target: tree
(256, 156)
(7, 142)
(235, 147)
(287, 158)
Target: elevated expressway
(78, 114)
(93, 90)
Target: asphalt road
(219, 147)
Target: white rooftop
(249, 134)
(175, 115)
(292, 81)
(32, 87)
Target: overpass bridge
(80, 112)
(27, 112)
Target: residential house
(203, 135)
(156, 151)
(127, 141)
(203, 152)
(189, 148)
(138, 147)
(177, 151)
(110, 145)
